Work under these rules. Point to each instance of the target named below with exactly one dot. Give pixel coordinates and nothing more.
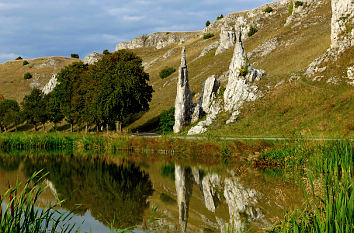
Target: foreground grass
(330, 208)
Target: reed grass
(21, 215)
(333, 209)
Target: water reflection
(112, 193)
(190, 198)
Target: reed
(21, 215)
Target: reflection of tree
(113, 193)
(9, 162)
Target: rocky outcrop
(158, 40)
(184, 188)
(209, 90)
(227, 39)
(350, 75)
(183, 103)
(92, 58)
(49, 87)
(211, 191)
(207, 49)
(241, 76)
(342, 33)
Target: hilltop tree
(9, 113)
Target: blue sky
(39, 28)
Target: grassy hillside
(14, 86)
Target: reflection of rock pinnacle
(184, 188)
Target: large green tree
(123, 86)
(9, 113)
(34, 108)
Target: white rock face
(183, 103)
(350, 75)
(158, 40)
(342, 20)
(239, 88)
(92, 58)
(227, 39)
(49, 87)
(211, 186)
(207, 49)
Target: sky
(42, 28)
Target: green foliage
(220, 17)
(74, 55)
(167, 120)
(34, 108)
(298, 3)
(168, 171)
(244, 69)
(22, 214)
(207, 23)
(25, 63)
(9, 113)
(27, 76)
(291, 8)
(19, 58)
(208, 36)
(252, 31)
(167, 71)
(268, 9)
(105, 52)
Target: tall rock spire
(183, 103)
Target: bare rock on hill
(227, 39)
(158, 40)
(92, 58)
(342, 33)
(207, 49)
(51, 62)
(350, 75)
(49, 87)
(183, 103)
(240, 87)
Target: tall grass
(333, 209)
(21, 215)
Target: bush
(105, 52)
(220, 17)
(19, 58)
(291, 8)
(252, 31)
(298, 3)
(27, 76)
(167, 71)
(167, 120)
(268, 9)
(207, 23)
(208, 36)
(74, 55)
(25, 63)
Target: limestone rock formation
(209, 48)
(183, 103)
(342, 33)
(158, 40)
(209, 90)
(211, 191)
(227, 39)
(241, 76)
(49, 87)
(350, 75)
(92, 58)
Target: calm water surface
(101, 190)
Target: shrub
(74, 55)
(105, 52)
(27, 76)
(167, 120)
(167, 71)
(291, 8)
(298, 3)
(252, 31)
(25, 63)
(220, 17)
(268, 9)
(207, 23)
(19, 58)
(208, 36)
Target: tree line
(99, 95)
